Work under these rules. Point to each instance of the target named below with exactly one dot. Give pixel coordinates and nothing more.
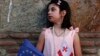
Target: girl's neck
(58, 23)
(57, 26)
(58, 30)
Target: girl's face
(54, 14)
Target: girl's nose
(49, 12)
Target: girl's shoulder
(72, 31)
(45, 30)
(75, 29)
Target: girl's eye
(53, 9)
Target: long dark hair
(63, 5)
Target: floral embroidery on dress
(65, 50)
(60, 53)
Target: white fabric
(54, 44)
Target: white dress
(59, 46)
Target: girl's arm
(41, 40)
(77, 46)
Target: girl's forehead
(53, 5)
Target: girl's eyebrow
(53, 7)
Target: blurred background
(21, 19)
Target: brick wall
(10, 42)
(90, 43)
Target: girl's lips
(49, 17)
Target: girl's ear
(63, 13)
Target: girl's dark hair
(63, 5)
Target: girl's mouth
(49, 17)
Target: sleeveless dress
(59, 46)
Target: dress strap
(71, 28)
(76, 29)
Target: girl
(59, 38)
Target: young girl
(59, 38)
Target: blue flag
(27, 49)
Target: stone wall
(25, 15)
(86, 14)
(28, 17)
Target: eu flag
(27, 49)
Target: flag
(27, 49)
